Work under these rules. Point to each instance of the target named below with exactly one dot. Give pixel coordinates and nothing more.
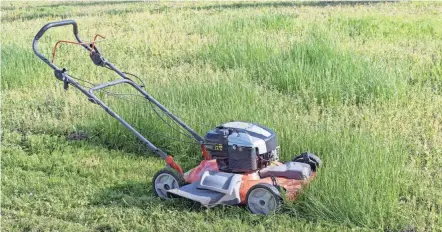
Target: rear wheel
(263, 199)
(166, 179)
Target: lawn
(359, 84)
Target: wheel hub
(163, 183)
(262, 202)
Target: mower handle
(56, 24)
(51, 25)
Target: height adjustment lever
(59, 74)
(66, 84)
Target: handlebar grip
(56, 24)
(47, 27)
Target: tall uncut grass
(313, 66)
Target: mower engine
(241, 147)
(243, 168)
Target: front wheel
(166, 179)
(263, 199)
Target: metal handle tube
(125, 79)
(151, 99)
(108, 110)
(56, 24)
(158, 104)
(49, 26)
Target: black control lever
(59, 74)
(96, 57)
(66, 84)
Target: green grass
(358, 84)
(314, 67)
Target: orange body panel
(205, 165)
(249, 180)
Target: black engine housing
(241, 147)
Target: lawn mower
(240, 164)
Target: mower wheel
(310, 159)
(166, 179)
(263, 199)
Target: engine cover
(241, 146)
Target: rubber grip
(57, 24)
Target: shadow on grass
(51, 11)
(289, 3)
(140, 195)
(68, 14)
(132, 194)
(165, 8)
(187, 155)
(237, 5)
(93, 3)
